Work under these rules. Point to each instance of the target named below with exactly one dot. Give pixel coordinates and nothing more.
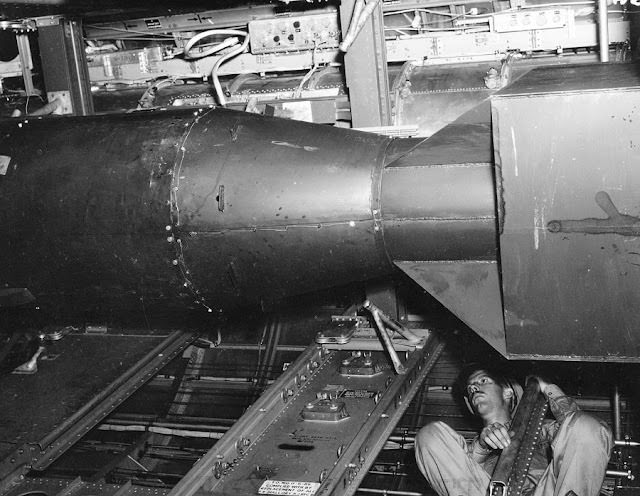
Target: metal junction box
(567, 150)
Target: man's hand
(495, 436)
(542, 382)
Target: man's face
(487, 398)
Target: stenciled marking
(616, 223)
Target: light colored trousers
(581, 450)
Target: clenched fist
(495, 436)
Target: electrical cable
(307, 76)
(428, 11)
(228, 42)
(359, 18)
(357, 12)
(214, 70)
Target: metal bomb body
(215, 208)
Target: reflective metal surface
(567, 159)
(172, 213)
(199, 211)
(268, 207)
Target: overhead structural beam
(603, 30)
(64, 66)
(365, 65)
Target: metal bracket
(383, 322)
(325, 409)
(339, 332)
(352, 333)
(362, 363)
(64, 97)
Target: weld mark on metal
(441, 219)
(452, 90)
(174, 226)
(464, 165)
(293, 145)
(537, 221)
(443, 262)
(234, 276)
(234, 131)
(4, 164)
(512, 319)
(616, 223)
(515, 152)
(283, 227)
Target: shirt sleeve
(560, 404)
(476, 452)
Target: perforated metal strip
(513, 465)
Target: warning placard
(288, 488)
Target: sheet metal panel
(270, 207)
(439, 215)
(424, 215)
(70, 393)
(174, 213)
(67, 378)
(458, 143)
(84, 205)
(471, 290)
(567, 154)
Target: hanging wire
(307, 76)
(228, 42)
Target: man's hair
(499, 376)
